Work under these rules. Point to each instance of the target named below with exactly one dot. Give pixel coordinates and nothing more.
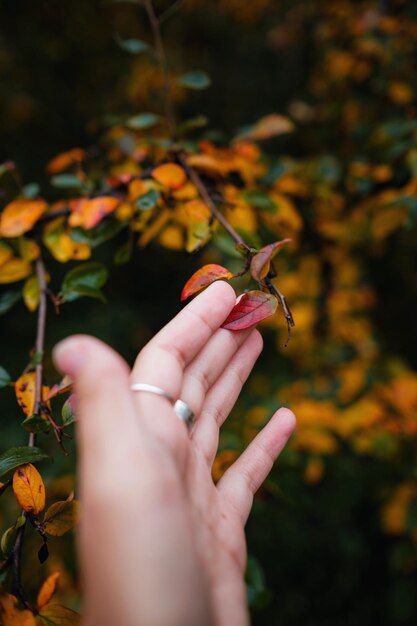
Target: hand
(160, 544)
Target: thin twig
(160, 52)
(202, 189)
(286, 309)
(5, 486)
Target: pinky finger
(243, 479)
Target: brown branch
(202, 189)
(286, 309)
(16, 552)
(5, 486)
(162, 59)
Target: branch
(195, 178)
(286, 309)
(162, 59)
(16, 552)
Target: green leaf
(31, 190)
(4, 377)
(84, 280)
(194, 123)
(61, 517)
(255, 582)
(14, 457)
(124, 253)
(195, 80)
(8, 299)
(132, 46)
(104, 231)
(36, 424)
(142, 121)
(148, 200)
(260, 200)
(69, 414)
(66, 181)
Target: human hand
(159, 543)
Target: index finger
(162, 361)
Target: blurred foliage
(333, 534)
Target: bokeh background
(332, 538)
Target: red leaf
(203, 277)
(250, 309)
(261, 262)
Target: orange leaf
(204, 277)
(25, 392)
(20, 215)
(14, 269)
(6, 253)
(48, 589)
(250, 309)
(89, 212)
(64, 160)
(29, 489)
(261, 262)
(170, 175)
(10, 615)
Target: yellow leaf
(28, 249)
(57, 615)
(154, 229)
(136, 189)
(10, 615)
(19, 216)
(56, 238)
(25, 392)
(172, 237)
(13, 270)
(48, 589)
(170, 175)
(400, 92)
(89, 212)
(6, 253)
(31, 293)
(29, 489)
(61, 517)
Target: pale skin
(160, 544)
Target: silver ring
(180, 407)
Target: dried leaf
(48, 589)
(89, 212)
(61, 517)
(29, 489)
(20, 215)
(25, 392)
(261, 262)
(57, 615)
(250, 309)
(269, 126)
(62, 387)
(170, 175)
(204, 277)
(10, 615)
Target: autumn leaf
(31, 293)
(204, 277)
(11, 615)
(251, 308)
(61, 517)
(69, 410)
(65, 159)
(25, 392)
(13, 270)
(170, 175)
(61, 387)
(269, 126)
(6, 253)
(261, 262)
(56, 615)
(89, 212)
(29, 489)
(20, 216)
(47, 590)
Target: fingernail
(69, 356)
